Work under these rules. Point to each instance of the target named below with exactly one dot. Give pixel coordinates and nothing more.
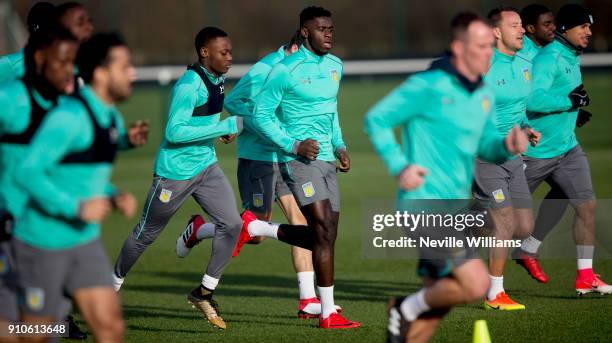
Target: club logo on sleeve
(258, 200)
(334, 75)
(499, 196)
(165, 195)
(308, 189)
(113, 134)
(486, 104)
(526, 74)
(35, 298)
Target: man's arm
(492, 147)
(541, 100)
(266, 104)
(178, 130)
(400, 106)
(54, 140)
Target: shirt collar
(40, 100)
(503, 57)
(311, 56)
(211, 76)
(95, 103)
(567, 45)
(445, 65)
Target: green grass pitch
(258, 292)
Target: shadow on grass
(273, 286)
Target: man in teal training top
(186, 166)
(502, 188)
(25, 102)
(259, 180)
(447, 120)
(297, 111)
(66, 174)
(539, 24)
(557, 100)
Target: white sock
(262, 228)
(531, 245)
(497, 286)
(209, 282)
(306, 285)
(413, 306)
(585, 256)
(207, 230)
(117, 282)
(327, 301)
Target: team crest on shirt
(308, 189)
(35, 298)
(258, 200)
(165, 195)
(499, 196)
(222, 88)
(334, 74)
(486, 104)
(526, 74)
(3, 265)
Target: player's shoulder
(552, 51)
(13, 88)
(190, 80)
(271, 59)
(69, 107)
(14, 93)
(292, 61)
(429, 78)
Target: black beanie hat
(572, 15)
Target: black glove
(583, 117)
(579, 97)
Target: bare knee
(474, 280)
(504, 222)
(109, 328)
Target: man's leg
(164, 199)
(90, 285)
(8, 290)
(41, 284)
(496, 186)
(314, 187)
(101, 309)
(216, 197)
(574, 177)
(423, 310)
(536, 171)
(551, 211)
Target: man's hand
(516, 141)
(534, 136)
(138, 132)
(344, 159)
(579, 97)
(412, 177)
(126, 204)
(308, 148)
(583, 117)
(227, 138)
(94, 210)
